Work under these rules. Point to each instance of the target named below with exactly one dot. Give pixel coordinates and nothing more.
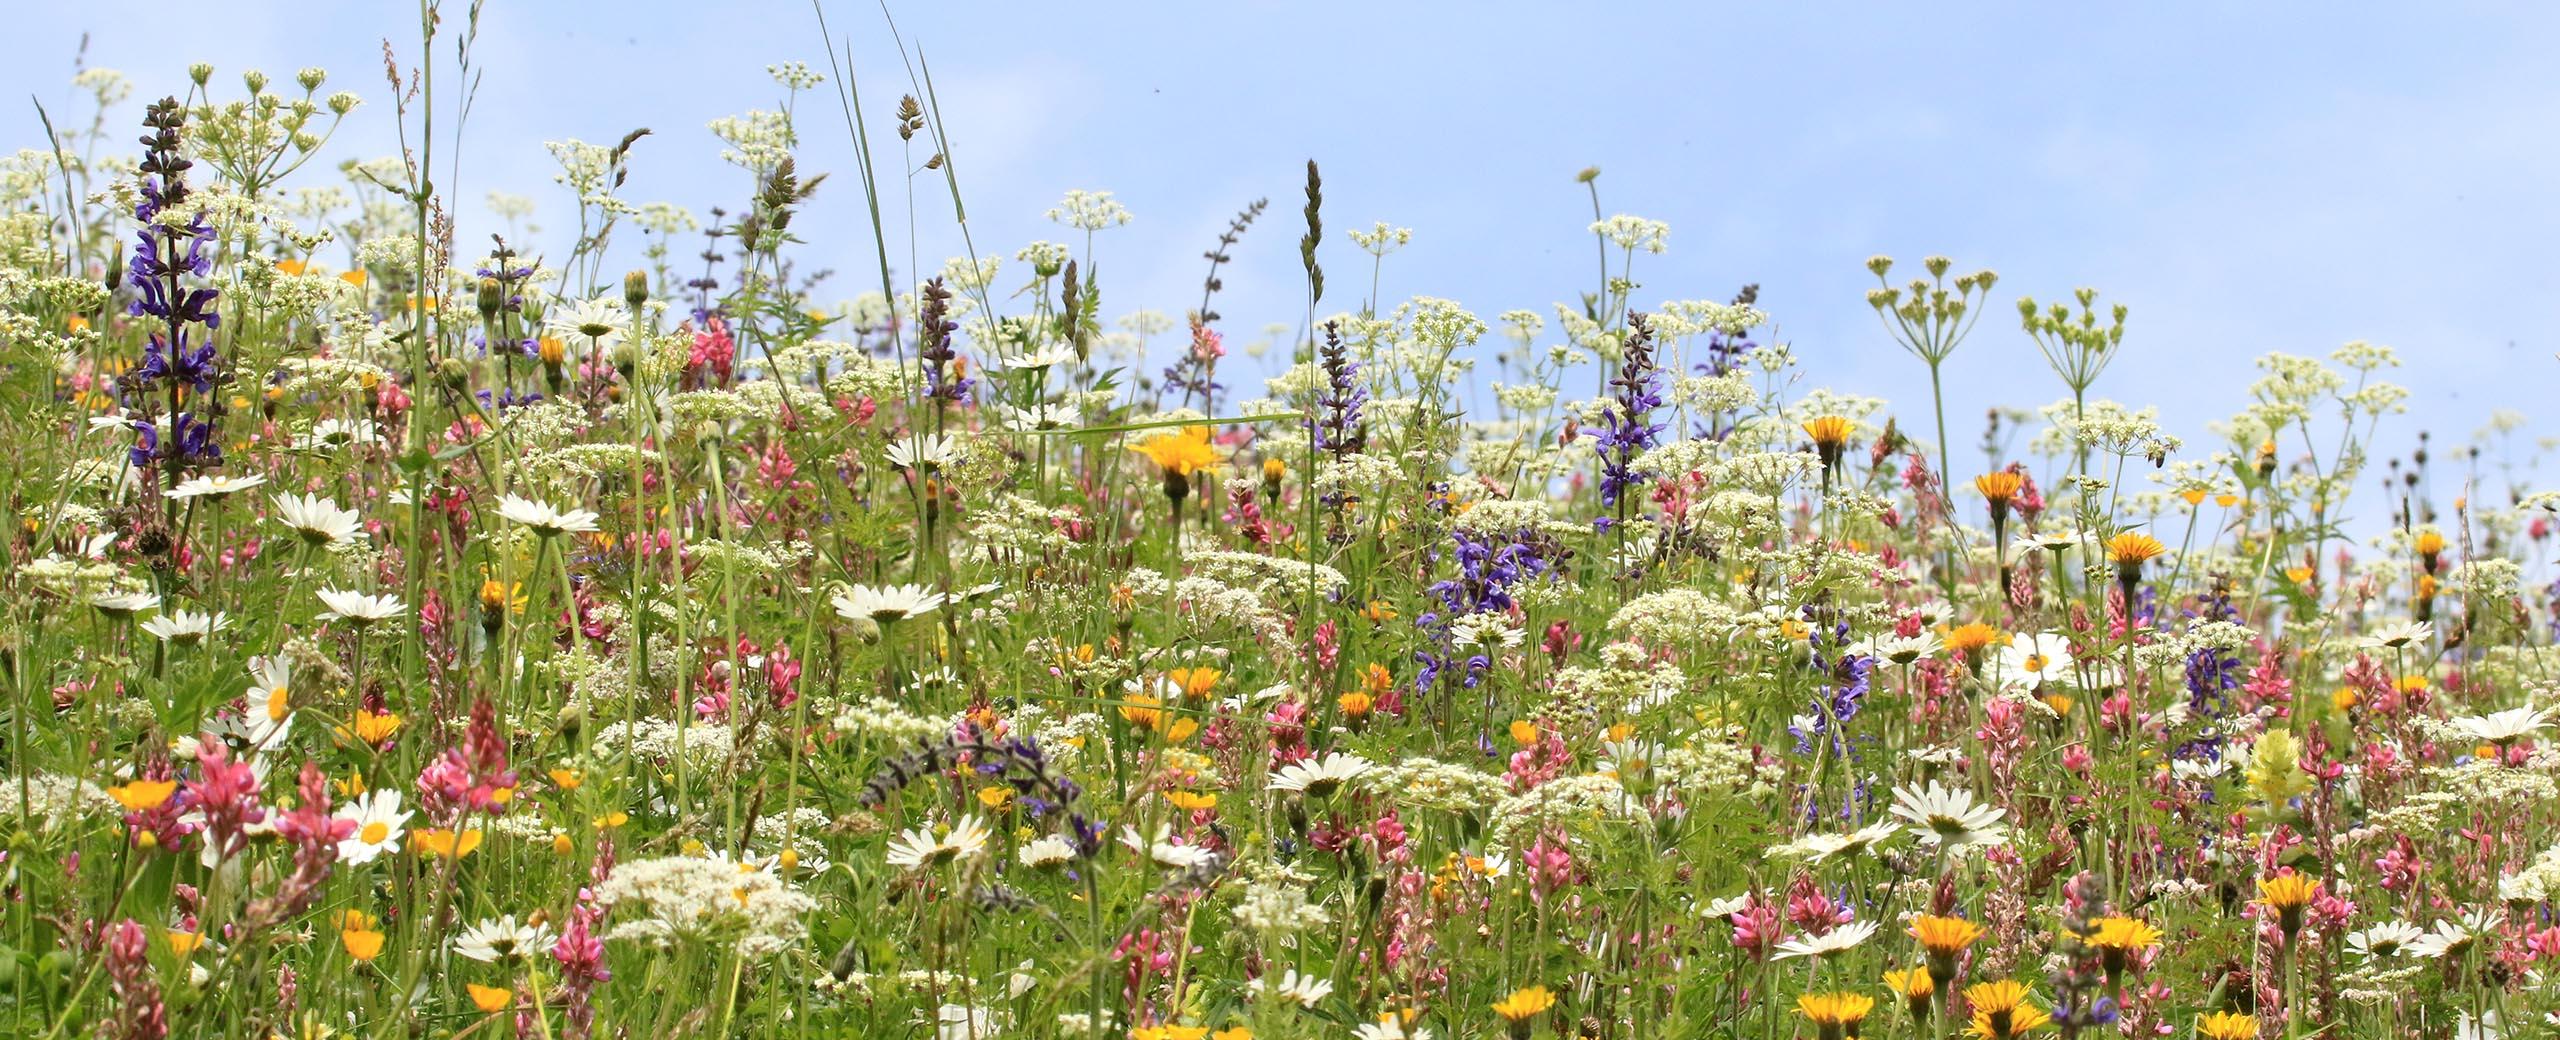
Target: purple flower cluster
(1486, 574)
(1626, 431)
(1336, 424)
(936, 348)
(1838, 700)
(180, 358)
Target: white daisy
(121, 605)
(186, 627)
(1046, 357)
(270, 716)
(1828, 944)
(2388, 939)
(2453, 936)
(379, 824)
(2394, 637)
(318, 520)
(358, 608)
(886, 603)
(1045, 851)
(1943, 816)
(545, 520)
(1163, 850)
(918, 847)
(601, 321)
(1824, 848)
(923, 451)
(1039, 417)
(2503, 727)
(1388, 1026)
(1302, 990)
(2030, 659)
(1320, 777)
(216, 486)
(1904, 649)
(502, 939)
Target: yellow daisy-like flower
(1182, 452)
(1524, 1004)
(2226, 1025)
(1195, 683)
(1829, 432)
(2124, 933)
(2133, 549)
(2001, 1010)
(1944, 938)
(1971, 638)
(2287, 894)
(2119, 938)
(1999, 488)
(1834, 1014)
(1915, 987)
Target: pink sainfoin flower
(580, 955)
(314, 835)
(225, 799)
(471, 778)
(140, 1015)
(1758, 927)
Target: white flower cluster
(698, 899)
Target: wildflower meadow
(414, 626)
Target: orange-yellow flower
(2287, 894)
(1524, 1004)
(1829, 432)
(143, 795)
(490, 999)
(1944, 939)
(1195, 683)
(2001, 1010)
(1971, 638)
(1999, 487)
(2227, 1025)
(1182, 452)
(2132, 549)
(445, 844)
(1834, 1014)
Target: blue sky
(2246, 177)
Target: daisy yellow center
(2035, 662)
(279, 703)
(374, 833)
